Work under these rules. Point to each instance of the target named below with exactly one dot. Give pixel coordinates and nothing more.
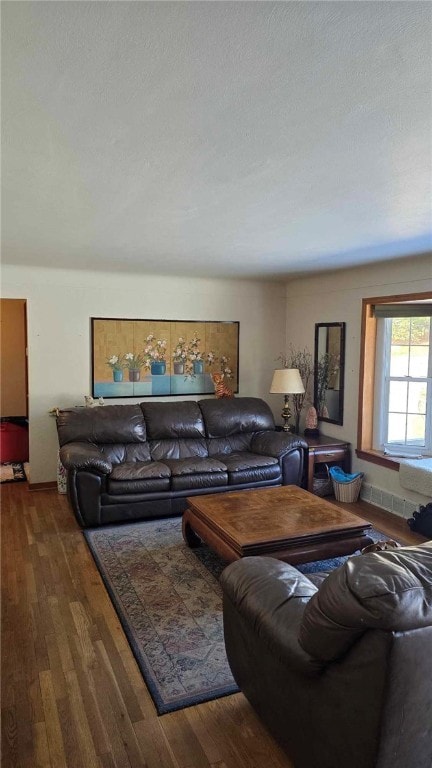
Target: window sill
(377, 457)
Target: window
(395, 392)
(403, 387)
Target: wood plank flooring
(72, 694)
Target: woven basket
(322, 484)
(348, 492)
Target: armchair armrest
(84, 456)
(270, 596)
(276, 444)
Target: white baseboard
(396, 504)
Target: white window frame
(382, 394)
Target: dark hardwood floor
(72, 694)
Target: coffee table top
(249, 518)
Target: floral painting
(153, 358)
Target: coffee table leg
(192, 540)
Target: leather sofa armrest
(270, 597)
(276, 444)
(84, 456)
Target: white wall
(61, 302)
(337, 297)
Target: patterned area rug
(169, 602)
(170, 605)
(12, 472)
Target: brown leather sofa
(339, 668)
(128, 462)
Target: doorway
(14, 442)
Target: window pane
(416, 426)
(399, 361)
(420, 328)
(403, 366)
(416, 397)
(396, 428)
(400, 330)
(418, 365)
(398, 396)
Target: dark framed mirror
(329, 367)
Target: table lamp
(287, 381)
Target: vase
(198, 366)
(134, 374)
(158, 367)
(178, 367)
(117, 375)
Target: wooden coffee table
(284, 522)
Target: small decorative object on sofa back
(90, 402)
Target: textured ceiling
(252, 139)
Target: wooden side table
(325, 450)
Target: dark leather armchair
(339, 668)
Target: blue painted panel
(156, 386)
(159, 385)
(200, 384)
(113, 389)
(142, 388)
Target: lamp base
(289, 428)
(286, 415)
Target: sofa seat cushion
(245, 467)
(193, 465)
(196, 472)
(139, 477)
(201, 480)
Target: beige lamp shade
(287, 381)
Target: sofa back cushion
(390, 590)
(230, 416)
(118, 453)
(230, 444)
(175, 430)
(178, 449)
(103, 424)
(166, 421)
